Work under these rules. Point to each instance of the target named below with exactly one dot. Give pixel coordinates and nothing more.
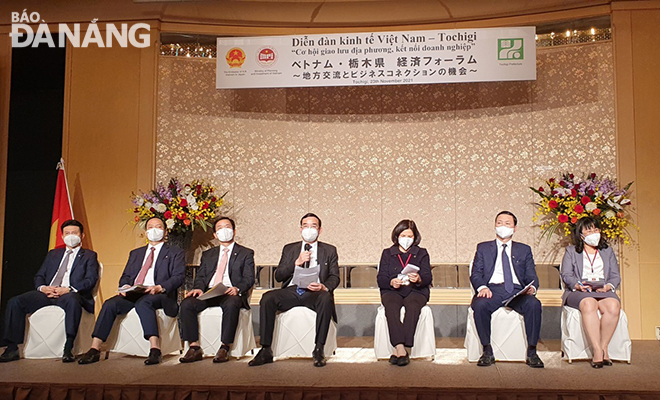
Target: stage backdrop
(448, 156)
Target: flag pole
(60, 165)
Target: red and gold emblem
(235, 57)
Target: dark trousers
(285, 299)
(402, 333)
(528, 306)
(20, 306)
(191, 307)
(145, 305)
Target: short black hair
(587, 223)
(515, 220)
(155, 217)
(310, 215)
(402, 226)
(72, 222)
(231, 221)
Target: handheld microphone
(308, 247)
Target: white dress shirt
(225, 278)
(66, 282)
(149, 278)
(498, 273)
(595, 272)
(313, 261)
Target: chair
(127, 335)
(295, 331)
(45, 334)
(508, 337)
(574, 343)
(424, 335)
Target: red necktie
(145, 268)
(220, 271)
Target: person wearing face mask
(232, 265)
(161, 268)
(317, 296)
(66, 279)
(590, 273)
(500, 269)
(411, 291)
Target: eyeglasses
(586, 232)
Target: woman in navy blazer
(590, 273)
(410, 291)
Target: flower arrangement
(567, 199)
(181, 206)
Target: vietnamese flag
(62, 210)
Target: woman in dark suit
(410, 291)
(590, 273)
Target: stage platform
(352, 374)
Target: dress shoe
(534, 361)
(10, 355)
(221, 356)
(264, 356)
(90, 357)
(319, 357)
(403, 360)
(607, 363)
(192, 355)
(155, 357)
(393, 359)
(486, 360)
(67, 357)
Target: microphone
(308, 247)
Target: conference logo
(510, 49)
(23, 35)
(235, 57)
(266, 57)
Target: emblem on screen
(510, 49)
(266, 56)
(235, 57)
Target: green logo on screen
(510, 49)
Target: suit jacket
(326, 256)
(241, 270)
(390, 267)
(483, 265)
(573, 263)
(169, 270)
(83, 276)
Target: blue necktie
(506, 268)
(300, 290)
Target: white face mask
(72, 240)
(225, 234)
(504, 232)
(592, 240)
(310, 234)
(155, 234)
(406, 242)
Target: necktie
(220, 271)
(59, 277)
(145, 268)
(506, 268)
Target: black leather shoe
(264, 356)
(221, 356)
(403, 360)
(486, 360)
(535, 361)
(155, 357)
(607, 363)
(597, 364)
(67, 357)
(319, 357)
(10, 355)
(90, 357)
(393, 359)
(192, 355)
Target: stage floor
(355, 366)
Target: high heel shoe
(596, 364)
(607, 362)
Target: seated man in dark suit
(232, 265)
(316, 296)
(66, 279)
(500, 269)
(161, 268)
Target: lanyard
(403, 266)
(590, 261)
